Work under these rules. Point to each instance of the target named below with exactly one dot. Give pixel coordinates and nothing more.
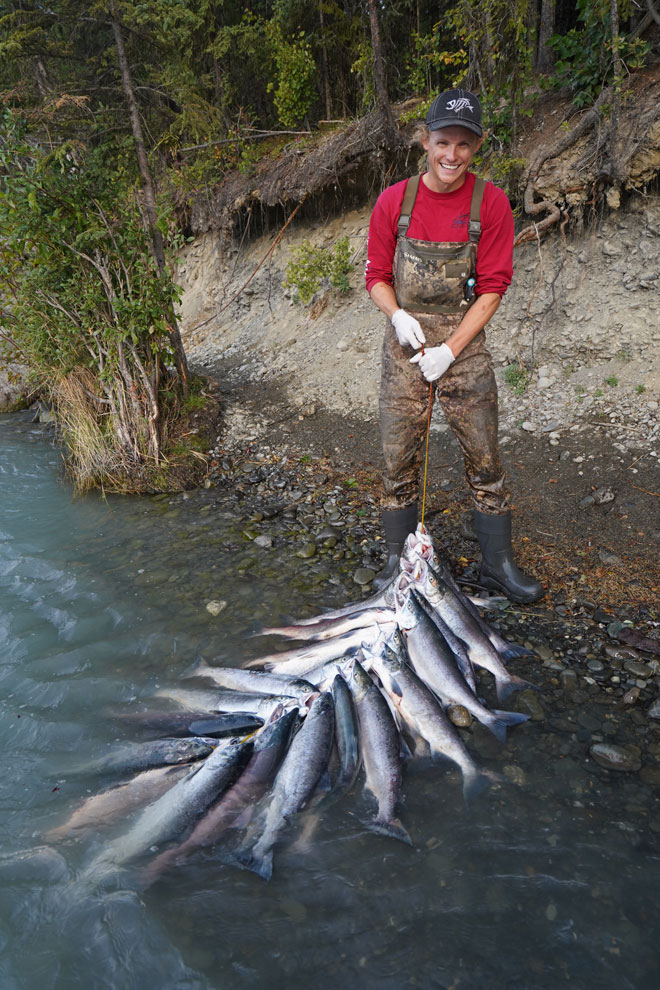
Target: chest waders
(430, 280)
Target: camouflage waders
(429, 281)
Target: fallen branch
(241, 137)
(655, 494)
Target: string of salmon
(426, 456)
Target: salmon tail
(392, 828)
(476, 782)
(509, 651)
(506, 686)
(259, 863)
(502, 721)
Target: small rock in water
(216, 607)
(621, 652)
(613, 757)
(264, 541)
(630, 697)
(459, 715)
(543, 651)
(638, 669)
(306, 551)
(515, 774)
(654, 710)
(295, 910)
(364, 575)
(529, 704)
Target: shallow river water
(549, 880)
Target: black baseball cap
(456, 107)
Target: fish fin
(511, 718)
(405, 749)
(392, 828)
(503, 720)
(261, 864)
(510, 651)
(506, 686)
(325, 784)
(477, 782)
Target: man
(440, 258)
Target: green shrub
(310, 266)
(584, 56)
(516, 376)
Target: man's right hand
(407, 329)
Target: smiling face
(450, 151)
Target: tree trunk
(545, 58)
(147, 186)
(616, 88)
(325, 75)
(380, 82)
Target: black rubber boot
(397, 523)
(498, 571)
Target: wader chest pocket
(457, 269)
(429, 277)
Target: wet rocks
(612, 757)
(215, 607)
(306, 551)
(459, 715)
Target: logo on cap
(458, 105)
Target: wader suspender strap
(410, 195)
(409, 198)
(474, 226)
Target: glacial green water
(551, 880)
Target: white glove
(434, 361)
(407, 329)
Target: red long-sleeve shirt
(444, 217)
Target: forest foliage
(113, 110)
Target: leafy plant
(612, 381)
(296, 71)
(89, 309)
(640, 389)
(584, 55)
(430, 65)
(310, 265)
(516, 376)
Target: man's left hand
(434, 361)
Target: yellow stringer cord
(426, 457)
